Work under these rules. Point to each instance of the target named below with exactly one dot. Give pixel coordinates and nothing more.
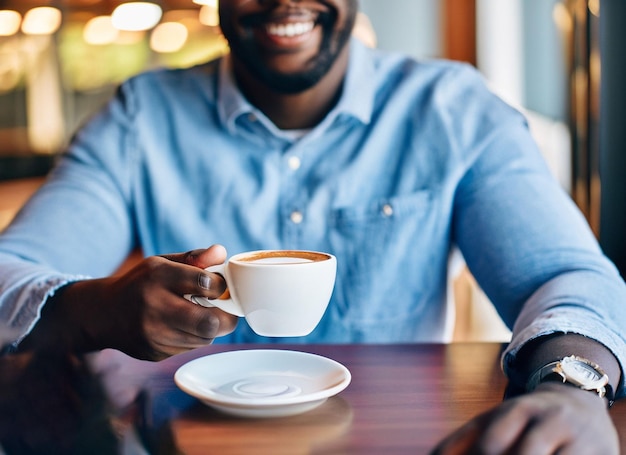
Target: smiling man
(288, 49)
(302, 138)
(296, 49)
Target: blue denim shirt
(416, 158)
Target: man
(305, 139)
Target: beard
(333, 42)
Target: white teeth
(290, 29)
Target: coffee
(283, 257)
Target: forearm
(86, 234)
(72, 320)
(24, 287)
(141, 312)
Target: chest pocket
(387, 254)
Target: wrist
(68, 321)
(544, 350)
(574, 371)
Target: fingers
(546, 435)
(203, 283)
(174, 325)
(168, 323)
(198, 321)
(506, 428)
(573, 421)
(553, 419)
(159, 272)
(202, 258)
(510, 428)
(142, 312)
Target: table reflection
(52, 403)
(202, 431)
(60, 403)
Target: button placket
(295, 192)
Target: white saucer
(263, 382)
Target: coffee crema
(282, 257)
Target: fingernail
(204, 281)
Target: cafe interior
(559, 61)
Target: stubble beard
(331, 46)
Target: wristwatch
(576, 371)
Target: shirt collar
(358, 94)
(357, 98)
(231, 102)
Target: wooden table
(402, 399)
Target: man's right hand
(142, 312)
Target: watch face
(579, 371)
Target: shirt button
(296, 217)
(252, 117)
(294, 163)
(387, 210)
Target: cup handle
(225, 304)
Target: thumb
(202, 258)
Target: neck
(299, 110)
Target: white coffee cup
(281, 293)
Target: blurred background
(559, 61)
(60, 60)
